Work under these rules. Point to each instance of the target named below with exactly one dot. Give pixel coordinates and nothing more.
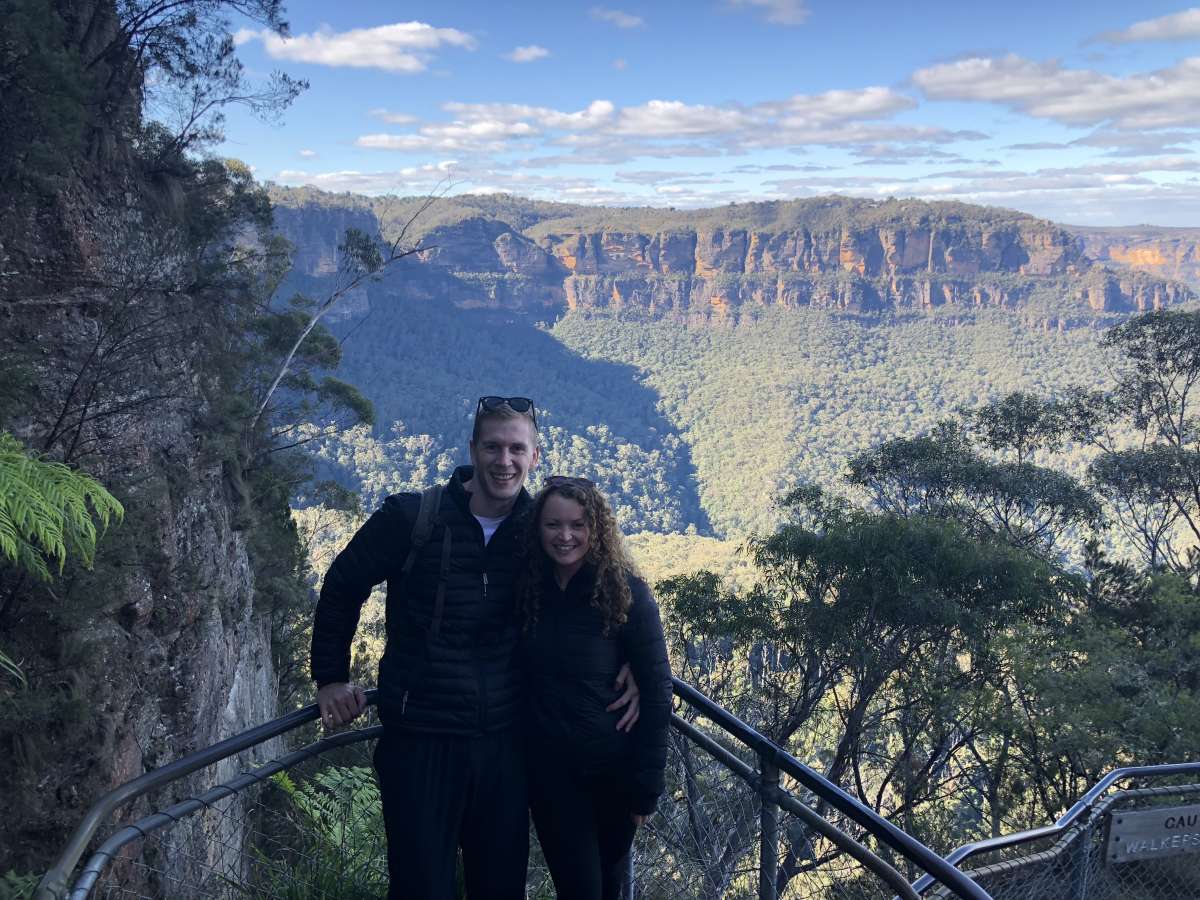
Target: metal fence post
(627, 877)
(768, 829)
(1082, 863)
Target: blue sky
(1081, 112)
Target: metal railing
(1074, 858)
(307, 824)
(773, 761)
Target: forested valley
(946, 556)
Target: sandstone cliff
(1172, 253)
(831, 253)
(110, 347)
(161, 650)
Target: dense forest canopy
(640, 406)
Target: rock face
(872, 252)
(871, 257)
(315, 232)
(1166, 252)
(166, 647)
(172, 653)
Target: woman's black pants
(583, 825)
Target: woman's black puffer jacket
(570, 673)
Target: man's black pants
(584, 827)
(440, 793)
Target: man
(450, 763)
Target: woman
(586, 612)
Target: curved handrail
(1065, 821)
(171, 816)
(53, 885)
(868, 860)
(906, 845)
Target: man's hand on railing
(631, 696)
(340, 703)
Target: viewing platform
(741, 818)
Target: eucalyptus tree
(944, 473)
(867, 648)
(1152, 482)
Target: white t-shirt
(489, 526)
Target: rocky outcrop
(164, 649)
(115, 350)
(1109, 290)
(878, 251)
(1172, 253)
(315, 231)
(834, 253)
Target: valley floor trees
(933, 647)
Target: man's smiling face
(503, 454)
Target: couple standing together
(513, 623)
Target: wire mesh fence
(705, 842)
(309, 825)
(1087, 861)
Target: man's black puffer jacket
(463, 680)
(570, 671)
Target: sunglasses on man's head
(516, 404)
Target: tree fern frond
(48, 511)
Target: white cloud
(307, 154)
(527, 54)
(804, 111)
(475, 136)
(757, 169)
(412, 179)
(603, 133)
(1139, 143)
(671, 118)
(1175, 27)
(891, 154)
(1167, 98)
(652, 176)
(595, 114)
(661, 179)
(1034, 190)
(600, 150)
(401, 47)
(394, 118)
(780, 12)
(617, 17)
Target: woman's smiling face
(564, 532)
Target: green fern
(11, 668)
(48, 511)
(17, 887)
(339, 846)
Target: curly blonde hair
(606, 554)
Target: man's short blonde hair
(502, 413)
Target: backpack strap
(439, 602)
(431, 500)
